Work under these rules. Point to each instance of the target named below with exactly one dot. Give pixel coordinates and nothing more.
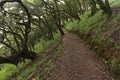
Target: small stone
(103, 72)
(105, 62)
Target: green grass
(31, 69)
(7, 70)
(88, 23)
(42, 45)
(34, 67)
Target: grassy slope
(7, 70)
(91, 30)
(34, 68)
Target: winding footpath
(77, 62)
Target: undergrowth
(9, 69)
(34, 68)
(89, 28)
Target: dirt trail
(77, 62)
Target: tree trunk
(11, 60)
(105, 7)
(102, 5)
(58, 18)
(93, 7)
(108, 7)
(18, 57)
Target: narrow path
(77, 62)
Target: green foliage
(87, 23)
(30, 69)
(115, 67)
(9, 69)
(117, 17)
(114, 2)
(43, 44)
(3, 71)
(72, 26)
(34, 67)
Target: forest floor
(77, 62)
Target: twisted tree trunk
(23, 54)
(18, 57)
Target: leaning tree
(22, 26)
(15, 27)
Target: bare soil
(77, 62)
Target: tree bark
(102, 5)
(18, 57)
(105, 7)
(58, 22)
(93, 7)
(108, 7)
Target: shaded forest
(20, 21)
(24, 24)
